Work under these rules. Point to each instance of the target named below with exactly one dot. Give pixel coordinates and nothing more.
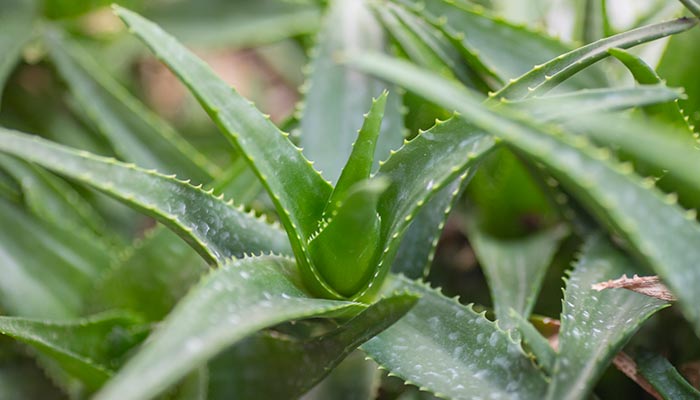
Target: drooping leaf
(47, 270)
(544, 77)
(209, 224)
(448, 349)
(89, 349)
(297, 190)
(618, 198)
(235, 23)
(595, 325)
(664, 377)
(136, 134)
(514, 268)
(234, 301)
(487, 42)
(296, 365)
(16, 19)
(336, 96)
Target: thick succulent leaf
(595, 325)
(419, 242)
(617, 197)
(356, 378)
(47, 270)
(359, 163)
(88, 349)
(299, 192)
(677, 71)
(16, 20)
(52, 199)
(236, 23)
(296, 365)
(588, 101)
(448, 349)
(664, 377)
(136, 134)
(693, 6)
(643, 73)
(487, 42)
(514, 268)
(234, 301)
(337, 96)
(532, 339)
(209, 224)
(545, 77)
(150, 278)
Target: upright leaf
(16, 19)
(231, 303)
(448, 349)
(208, 223)
(664, 377)
(595, 325)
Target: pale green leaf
(234, 301)
(356, 378)
(16, 19)
(208, 223)
(595, 325)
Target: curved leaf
(664, 377)
(88, 349)
(595, 325)
(231, 303)
(620, 199)
(297, 365)
(544, 77)
(16, 17)
(448, 349)
(209, 224)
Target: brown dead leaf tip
(647, 285)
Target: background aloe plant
(434, 143)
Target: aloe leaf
(47, 270)
(514, 268)
(234, 301)
(595, 325)
(673, 68)
(356, 378)
(533, 340)
(359, 163)
(545, 77)
(20, 378)
(487, 42)
(136, 134)
(348, 265)
(588, 101)
(693, 6)
(448, 349)
(16, 17)
(297, 190)
(617, 197)
(236, 23)
(209, 224)
(664, 377)
(296, 365)
(88, 349)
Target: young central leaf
(346, 248)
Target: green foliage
(490, 152)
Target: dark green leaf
(16, 19)
(664, 377)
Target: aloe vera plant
(304, 260)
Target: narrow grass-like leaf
(664, 377)
(88, 349)
(595, 325)
(487, 42)
(514, 268)
(545, 77)
(337, 96)
(693, 6)
(231, 303)
(47, 270)
(448, 349)
(299, 192)
(16, 17)
(209, 224)
(617, 197)
(137, 135)
(296, 365)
